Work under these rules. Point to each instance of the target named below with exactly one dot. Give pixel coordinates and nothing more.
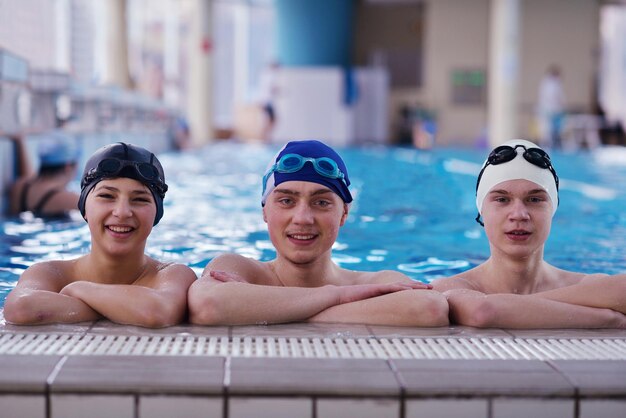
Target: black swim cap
(124, 160)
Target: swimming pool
(413, 211)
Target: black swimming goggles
(505, 153)
(290, 163)
(111, 167)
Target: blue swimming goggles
(290, 163)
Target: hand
(225, 276)
(619, 321)
(358, 292)
(72, 289)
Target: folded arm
(159, 306)
(473, 308)
(39, 307)
(417, 308)
(594, 291)
(235, 290)
(213, 302)
(35, 300)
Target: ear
(264, 215)
(344, 215)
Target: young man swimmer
(122, 191)
(517, 195)
(305, 201)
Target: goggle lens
(537, 157)
(291, 162)
(148, 171)
(327, 165)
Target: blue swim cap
(308, 149)
(57, 149)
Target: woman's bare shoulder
(49, 275)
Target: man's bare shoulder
(563, 278)
(465, 280)
(253, 271)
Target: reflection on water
(413, 211)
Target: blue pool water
(413, 211)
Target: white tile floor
(246, 407)
(32, 406)
(180, 406)
(92, 406)
(446, 408)
(362, 408)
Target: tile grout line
(402, 395)
(225, 386)
(49, 380)
(553, 366)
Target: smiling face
(517, 216)
(120, 213)
(303, 220)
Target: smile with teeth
(119, 229)
(302, 237)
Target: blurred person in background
(45, 193)
(268, 93)
(551, 107)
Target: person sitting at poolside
(305, 201)
(517, 196)
(45, 194)
(122, 191)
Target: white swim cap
(515, 169)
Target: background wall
(563, 32)
(455, 37)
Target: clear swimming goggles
(290, 163)
(111, 167)
(505, 153)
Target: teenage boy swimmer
(305, 201)
(122, 191)
(517, 196)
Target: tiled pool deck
(309, 370)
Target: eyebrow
(317, 192)
(115, 189)
(533, 191)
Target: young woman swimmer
(122, 191)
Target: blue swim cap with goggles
(311, 161)
(128, 161)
